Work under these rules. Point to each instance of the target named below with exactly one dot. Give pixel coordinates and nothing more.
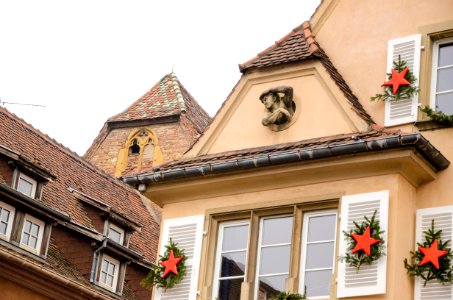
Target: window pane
(33, 242)
(3, 228)
(230, 289)
(444, 103)
(103, 277)
(271, 285)
(104, 266)
(277, 230)
(24, 187)
(27, 226)
(233, 264)
(319, 255)
(34, 229)
(25, 238)
(317, 283)
(114, 235)
(275, 259)
(235, 237)
(321, 228)
(444, 80)
(445, 55)
(109, 280)
(4, 215)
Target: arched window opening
(134, 148)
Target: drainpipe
(95, 260)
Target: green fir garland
(428, 272)
(288, 296)
(404, 91)
(377, 250)
(438, 116)
(154, 277)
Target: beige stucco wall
(355, 37)
(12, 291)
(402, 207)
(317, 98)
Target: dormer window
(32, 234)
(116, 234)
(6, 220)
(108, 277)
(27, 185)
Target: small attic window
(134, 148)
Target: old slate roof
(301, 45)
(166, 98)
(73, 172)
(306, 150)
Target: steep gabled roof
(297, 46)
(73, 172)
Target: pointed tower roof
(166, 99)
(163, 99)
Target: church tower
(157, 128)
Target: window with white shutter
(370, 279)
(187, 233)
(443, 219)
(408, 48)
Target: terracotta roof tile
(72, 171)
(300, 45)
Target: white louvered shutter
(443, 219)
(188, 234)
(370, 279)
(409, 48)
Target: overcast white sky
(87, 60)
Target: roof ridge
(139, 99)
(304, 28)
(179, 97)
(61, 147)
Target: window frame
(10, 224)
(434, 68)
(118, 229)
(117, 265)
(304, 241)
(218, 263)
(40, 236)
(33, 182)
(259, 248)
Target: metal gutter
(415, 140)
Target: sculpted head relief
(279, 106)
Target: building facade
(298, 153)
(67, 229)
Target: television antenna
(17, 103)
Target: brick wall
(134, 274)
(75, 248)
(174, 140)
(6, 172)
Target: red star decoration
(170, 264)
(397, 80)
(432, 255)
(364, 242)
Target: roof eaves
(416, 140)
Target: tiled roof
(72, 171)
(295, 152)
(165, 98)
(295, 46)
(301, 45)
(275, 149)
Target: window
(32, 233)
(231, 258)
(274, 253)
(26, 185)
(318, 252)
(267, 251)
(108, 276)
(116, 234)
(442, 73)
(6, 220)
